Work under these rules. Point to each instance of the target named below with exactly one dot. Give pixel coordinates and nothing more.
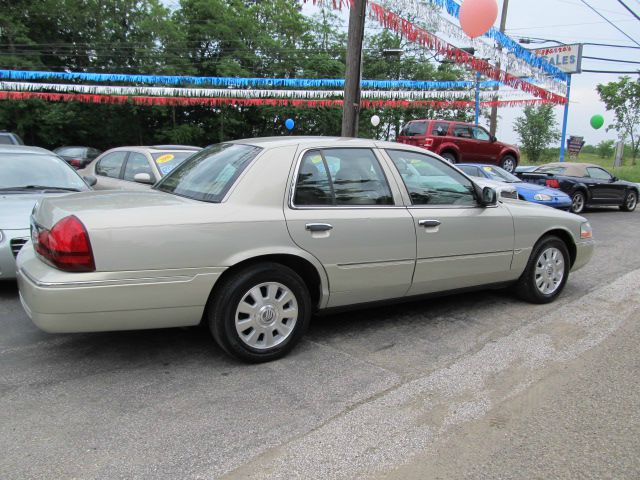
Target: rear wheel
(630, 202)
(546, 273)
(449, 157)
(509, 163)
(260, 313)
(578, 201)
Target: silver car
(136, 168)
(252, 237)
(27, 174)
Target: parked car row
(253, 236)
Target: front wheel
(630, 202)
(509, 164)
(260, 313)
(546, 273)
(578, 201)
(449, 157)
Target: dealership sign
(567, 58)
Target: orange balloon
(478, 16)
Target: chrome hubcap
(631, 201)
(266, 315)
(508, 165)
(549, 270)
(578, 202)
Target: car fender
(580, 186)
(509, 151)
(448, 146)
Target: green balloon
(597, 121)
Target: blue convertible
(526, 191)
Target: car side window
(440, 129)
(431, 181)
(471, 171)
(111, 164)
(137, 163)
(341, 176)
(313, 186)
(480, 134)
(462, 131)
(598, 173)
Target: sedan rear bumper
(136, 301)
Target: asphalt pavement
(469, 386)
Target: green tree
(537, 128)
(605, 149)
(623, 97)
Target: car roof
(24, 149)
(138, 148)
(572, 169)
(323, 142)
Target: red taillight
(428, 142)
(75, 163)
(66, 246)
(552, 183)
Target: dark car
(459, 142)
(78, 157)
(587, 185)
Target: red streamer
(254, 102)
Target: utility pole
(493, 124)
(353, 72)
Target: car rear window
(167, 161)
(414, 129)
(209, 174)
(554, 170)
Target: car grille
(17, 244)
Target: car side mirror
(487, 196)
(493, 139)
(614, 179)
(142, 178)
(90, 180)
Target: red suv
(460, 142)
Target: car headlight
(586, 231)
(542, 197)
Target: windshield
(209, 174)
(167, 161)
(414, 129)
(27, 171)
(500, 175)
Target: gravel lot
(472, 386)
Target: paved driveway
(472, 386)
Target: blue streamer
(238, 82)
(522, 53)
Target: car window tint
(313, 185)
(357, 177)
(598, 173)
(209, 174)
(137, 163)
(462, 131)
(440, 129)
(111, 164)
(413, 129)
(472, 171)
(480, 134)
(431, 181)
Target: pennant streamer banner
(234, 81)
(416, 34)
(237, 93)
(252, 102)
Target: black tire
(449, 157)
(225, 300)
(578, 201)
(630, 201)
(526, 287)
(509, 163)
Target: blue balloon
(289, 123)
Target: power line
(630, 11)
(564, 25)
(637, 72)
(611, 59)
(609, 22)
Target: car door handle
(318, 227)
(429, 223)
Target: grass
(625, 172)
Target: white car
(251, 237)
